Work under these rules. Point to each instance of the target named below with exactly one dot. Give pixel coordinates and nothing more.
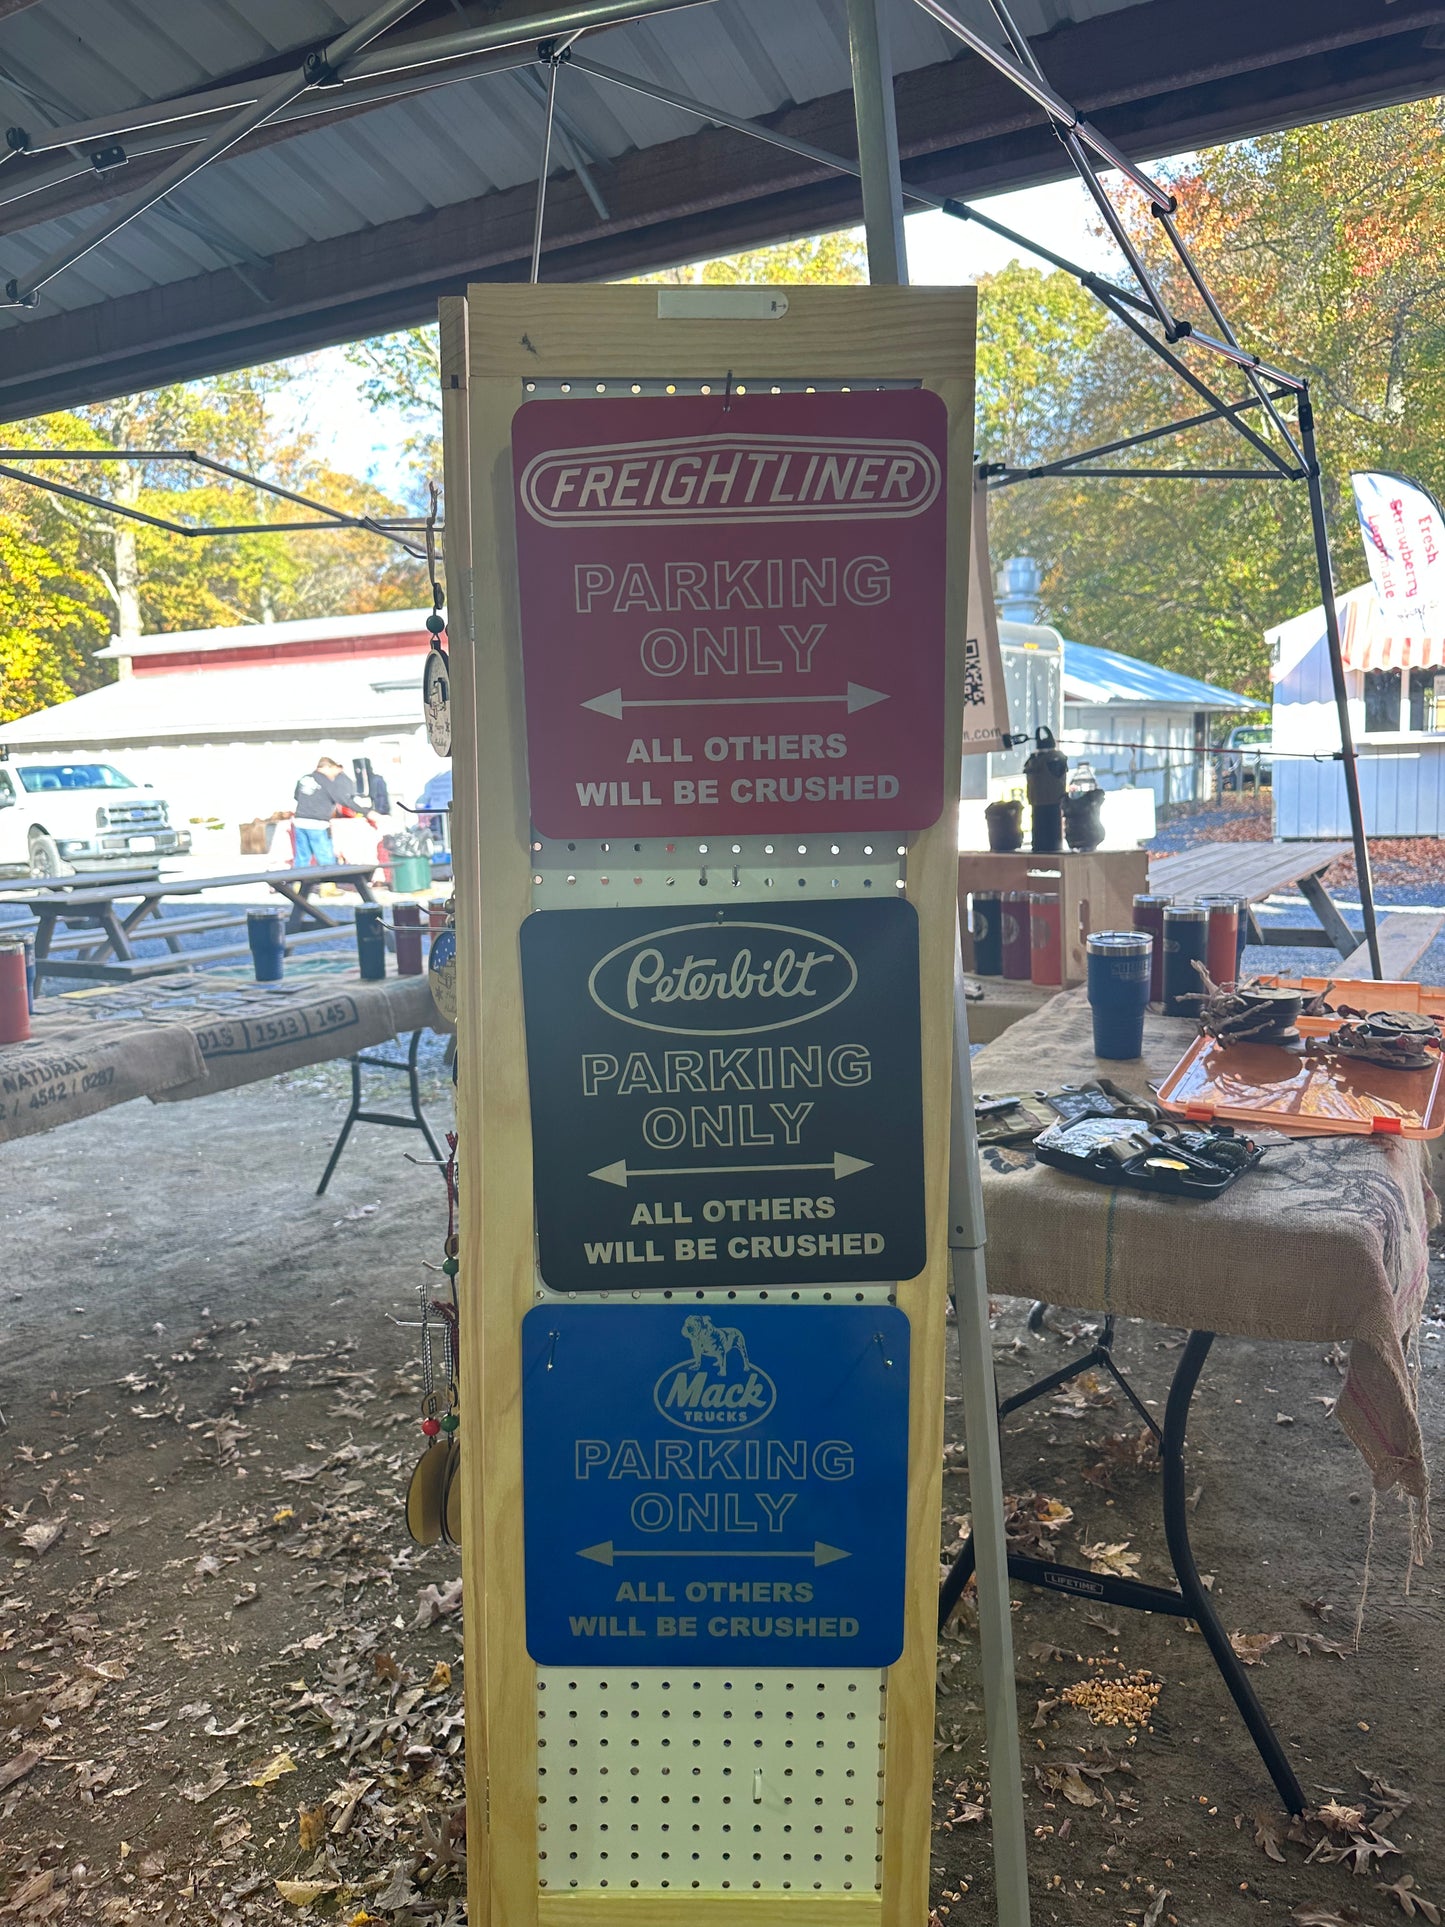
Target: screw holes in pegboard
(779, 1811)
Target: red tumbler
(406, 925)
(1221, 956)
(14, 1005)
(1046, 949)
(1149, 915)
(1017, 951)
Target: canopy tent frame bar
(323, 66)
(388, 528)
(1120, 302)
(881, 178)
(1000, 475)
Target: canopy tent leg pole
(1337, 675)
(877, 122)
(985, 1481)
(544, 165)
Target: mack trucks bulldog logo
(701, 1394)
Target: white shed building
(223, 721)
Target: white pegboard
(709, 1779)
(619, 872)
(756, 1781)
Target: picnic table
(80, 880)
(105, 934)
(1256, 871)
(1326, 1240)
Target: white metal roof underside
(64, 61)
(397, 165)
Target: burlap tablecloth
(1325, 1240)
(192, 1037)
(281, 1027)
(71, 1070)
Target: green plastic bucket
(411, 875)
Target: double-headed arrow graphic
(621, 1173)
(612, 702)
(605, 1553)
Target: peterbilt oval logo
(731, 477)
(690, 981)
(717, 1389)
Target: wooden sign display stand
(546, 1849)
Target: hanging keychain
(436, 675)
(432, 1481)
(426, 1493)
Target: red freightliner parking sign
(733, 612)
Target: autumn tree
(1326, 248)
(88, 573)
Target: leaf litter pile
(1146, 1803)
(229, 1683)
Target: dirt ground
(231, 1668)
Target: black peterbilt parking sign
(725, 1097)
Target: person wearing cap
(319, 796)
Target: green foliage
(1326, 249)
(71, 575)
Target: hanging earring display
(436, 675)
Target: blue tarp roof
(1093, 675)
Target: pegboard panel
(617, 873)
(763, 1781)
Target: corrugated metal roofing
(410, 195)
(1094, 675)
(375, 693)
(63, 61)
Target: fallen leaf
(1041, 1712)
(1267, 1835)
(385, 1667)
(441, 1675)
(1320, 1917)
(1340, 1819)
(1283, 1418)
(41, 1537)
(1156, 1908)
(1316, 1643)
(272, 1771)
(433, 1602)
(1115, 1558)
(1252, 1647)
(311, 1826)
(1411, 1900)
(301, 1893)
(17, 1768)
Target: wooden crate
(1097, 890)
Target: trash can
(411, 875)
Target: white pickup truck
(58, 817)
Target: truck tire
(44, 856)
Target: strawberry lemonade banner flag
(732, 612)
(1404, 537)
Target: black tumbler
(1186, 940)
(987, 934)
(370, 942)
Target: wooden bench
(1404, 939)
(129, 970)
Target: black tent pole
(1337, 674)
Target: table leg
(355, 1115)
(303, 911)
(1201, 1606)
(1331, 922)
(1192, 1601)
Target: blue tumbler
(1119, 963)
(266, 934)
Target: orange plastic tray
(1306, 1094)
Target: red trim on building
(254, 654)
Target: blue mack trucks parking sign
(725, 1097)
(715, 1486)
